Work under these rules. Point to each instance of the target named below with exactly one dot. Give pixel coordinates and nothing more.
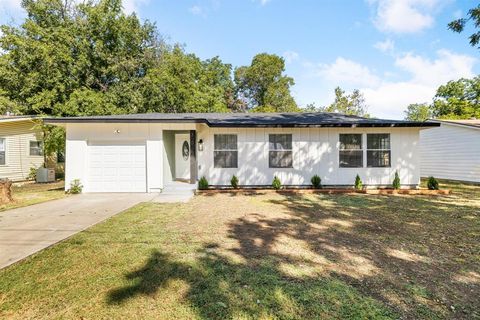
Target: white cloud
(196, 10)
(386, 46)
(130, 6)
(387, 95)
(10, 4)
(290, 56)
(347, 71)
(263, 2)
(391, 98)
(404, 16)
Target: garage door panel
(117, 167)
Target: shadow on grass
(327, 256)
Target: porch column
(193, 157)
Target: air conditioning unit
(45, 175)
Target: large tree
(459, 25)
(263, 86)
(418, 112)
(350, 104)
(459, 99)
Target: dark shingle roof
(298, 119)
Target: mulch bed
(327, 191)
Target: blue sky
(395, 51)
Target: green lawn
(268, 256)
(28, 193)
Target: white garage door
(115, 167)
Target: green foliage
(276, 183)
(32, 173)
(396, 181)
(234, 182)
(262, 85)
(358, 183)
(75, 187)
(432, 183)
(316, 182)
(457, 99)
(418, 112)
(202, 183)
(458, 25)
(352, 104)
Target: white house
(451, 151)
(20, 146)
(146, 152)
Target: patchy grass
(263, 257)
(28, 193)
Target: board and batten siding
(315, 151)
(450, 151)
(18, 162)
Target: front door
(182, 156)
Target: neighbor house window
(378, 150)
(3, 148)
(225, 151)
(280, 154)
(351, 153)
(36, 148)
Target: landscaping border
(423, 192)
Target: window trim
(389, 150)
(285, 150)
(362, 149)
(225, 150)
(40, 147)
(5, 151)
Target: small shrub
(316, 182)
(276, 183)
(234, 182)
(432, 183)
(203, 183)
(358, 183)
(396, 181)
(75, 187)
(32, 174)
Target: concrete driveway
(24, 231)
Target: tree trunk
(5, 191)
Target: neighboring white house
(146, 152)
(451, 151)
(20, 146)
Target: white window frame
(389, 150)
(40, 147)
(224, 150)
(4, 151)
(278, 150)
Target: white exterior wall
(315, 151)
(79, 136)
(18, 162)
(450, 152)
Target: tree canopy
(457, 99)
(350, 104)
(459, 25)
(263, 87)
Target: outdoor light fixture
(200, 145)
(116, 131)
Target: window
(36, 148)
(378, 150)
(225, 151)
(351, 153)
(280, 154)
(3, 147)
